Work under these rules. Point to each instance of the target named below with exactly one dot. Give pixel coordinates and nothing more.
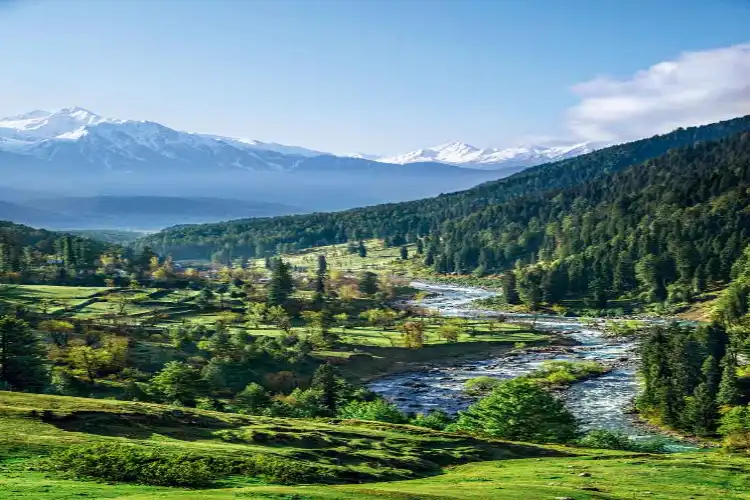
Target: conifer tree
(281, 285)
(22, 365)
(325, 380)
(701, 411)
(510, 289)
(728, 392)
(321, 277)
(420, 246)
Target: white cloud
(695, 89)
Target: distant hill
(114, 236)
(86, 154)
(133, 212)
(435, 216)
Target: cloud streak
(694, 89)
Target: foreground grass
(390, 461)
(596, 476)
(34, 425)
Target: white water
(602, 402)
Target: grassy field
(379, 258)
(95, 302)
(172, 307)
(385, 461)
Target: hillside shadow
(176, 424)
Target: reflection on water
(601, 402)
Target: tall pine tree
(22, 365)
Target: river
(601, 402)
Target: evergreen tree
(321, 278)
(326, 381)
(510, 289)
(701, 411)
(429, 258)
(368, 283)
(420, 246)
(728, 392)
(22, 365)
(281, 285)
(711, 375)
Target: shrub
(286, 471)
(615, 440)
(562, 373)
(133, 464)
(114, 462)
(480, 386)
(378, 410)
(435, 419)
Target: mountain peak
(454, 146)
(78, 113)
(42, 125)
(466, 155)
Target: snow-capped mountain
(76, 136)
(465, 155)
(75, 152)
(40, 125)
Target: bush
(435, 419)
(615, 440)
(113, 462)
(133, 464)
(286, 471)
(562, 373)
(378, 410)
(480, 386)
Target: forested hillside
(431, 216)
(665, 230)
(26, 253)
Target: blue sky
(382, 76)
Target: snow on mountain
(39, 125)
(363, 156)
(267, 146)
(76, 135)
(465, 155)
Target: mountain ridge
(48, 135)
(430, 215)
(466, 155)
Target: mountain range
(85, 160)
(79, 135)
(465, 155)
(75, 154)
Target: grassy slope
(379, 258)
(503, 470)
